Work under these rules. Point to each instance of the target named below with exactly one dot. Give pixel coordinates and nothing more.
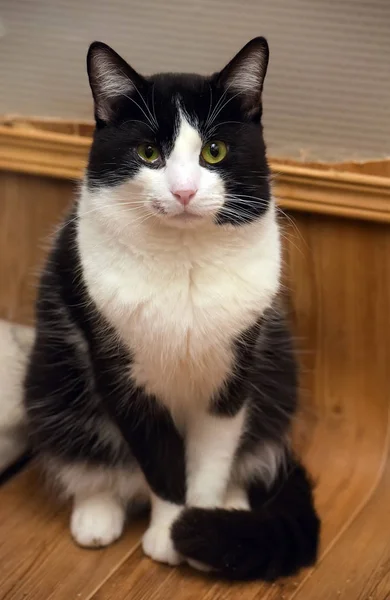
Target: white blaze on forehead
(188, 141)
(182, 167)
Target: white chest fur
(179, 298)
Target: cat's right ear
(111, 79)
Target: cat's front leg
(211, 444)
(157, 541)
(158, 447)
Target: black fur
(275, 539)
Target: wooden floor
(338, 273)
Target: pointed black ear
(111, 79)
(245, 73)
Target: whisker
(135, 121)
(152, 125)
(153, 104)
(212, 130)
(143, 100)
(211, 101)
(224, 106)
(221, 99)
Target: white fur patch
(236, 498)
(157, 542)
(100, 498)
(178, 298)
(80, 479)
(263, 463)
(210, 446)
(15, 344)
(97, 520)
(182, 172)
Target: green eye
(148, 152)
(213, 152)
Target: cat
(163, 370)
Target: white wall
(328, 89)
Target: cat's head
(183, 149)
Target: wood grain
(38, 559)
(30, 208)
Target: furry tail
(277, 537)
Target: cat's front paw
(157, 544)
(97, 521)
(236, 499)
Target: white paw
(237, 504)
(157, 544)
(236, 499)
(97, 521)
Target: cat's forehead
(195, 99)
(175, 95)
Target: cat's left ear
(111, 80)
(244, 75)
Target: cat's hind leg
(101, 496)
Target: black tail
(275, 539)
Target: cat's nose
(184, 196)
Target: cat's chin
(185, 220)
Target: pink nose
(184, 196)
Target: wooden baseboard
(60, 150)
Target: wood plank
(38, 558)
(30, 208)
(360, 560)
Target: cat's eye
(148, 152)
(213, 152)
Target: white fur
(211, 442)
(157, 542)
(178, 297)
(100, 497)
(263, 463)
(236, 498)
(15, 344)
(97, 519)
(183, 171)
(80, 479)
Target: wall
(328, 88)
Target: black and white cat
(162, 368)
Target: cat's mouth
(184, 219)
(186, 216)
